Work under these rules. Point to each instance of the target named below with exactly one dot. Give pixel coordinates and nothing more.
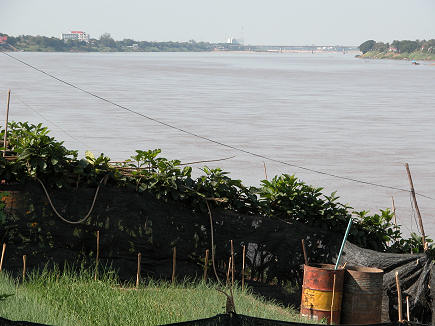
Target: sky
(271, 22)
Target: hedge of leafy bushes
(283, 197)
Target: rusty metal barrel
(362, 295)
(322, 293)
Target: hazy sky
(282, 22)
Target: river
(360, 119)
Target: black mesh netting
(242, 320)
(414, 274)
(221, 320)
(130, 223)
(7, 322)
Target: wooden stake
(228, 271)
(420, 221)
(243, 267)
(205, 266)
(399, 298)
(24, 267)
(139, 256)
(97, 257)
(332, 301)
(5, 137)
(3, 255)
(232, 264)
(305, 252)
(265, 170)
(174, 259)
(408, 316)
(394, 211)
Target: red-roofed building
(76, 36)
(3, 39)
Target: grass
(69, 298)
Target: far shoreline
(414, 56)
(211, 51)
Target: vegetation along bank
(43, 158)
(406, 49)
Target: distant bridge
(288, 48)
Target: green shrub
(284, 197)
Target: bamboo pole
(139, 256)
(205, 265)
(5, 137)
(24, 267)
(174, 259)
(228, 271)
(414, 198)
(305, 252)
(399, 298)
(265, 170)
(394, 211)
(3, 256)
(243, 267)
(408, 315)
(332, 301)
(232, 264)
(97, 257)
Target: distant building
(3, 39)
(233, 40)
(76, 36)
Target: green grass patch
(68, 298)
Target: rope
(212, 242)
(60, 216)
(208, 161)
(209, 139)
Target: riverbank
(417, 55)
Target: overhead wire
(48, 120)
(210, 139)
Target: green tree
(367, 46)
(107, 41)
(381, 47)
(406, 46)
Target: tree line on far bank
(404, 46)
(105, 43)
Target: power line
(209, 139)
(49, 121)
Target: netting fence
(129, 223)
